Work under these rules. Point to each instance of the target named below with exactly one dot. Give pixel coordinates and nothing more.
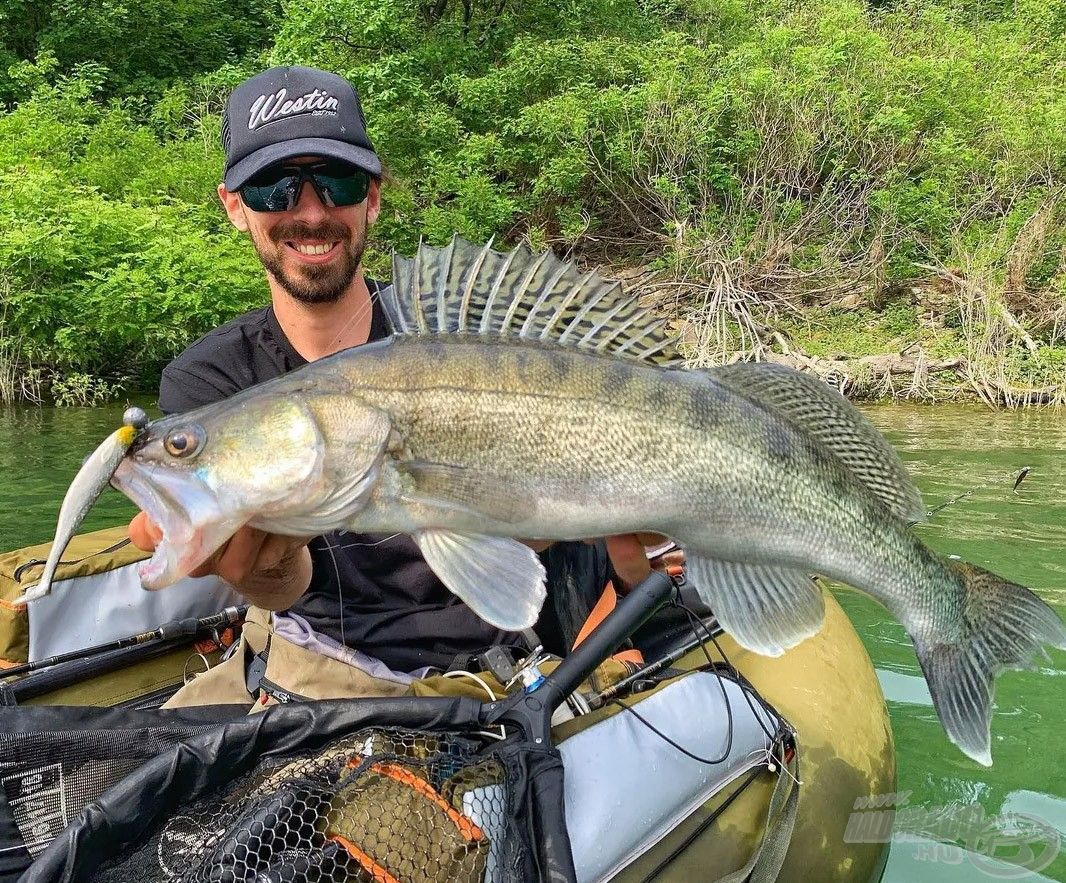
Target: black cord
(703, 826)
(746, 688)
(721, 684)
(668, 740)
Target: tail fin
(1003, 625)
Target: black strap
(38, 562)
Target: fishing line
(356, 316)
(337, 572)
(367, 545)
(340, 594)
(1025, 470)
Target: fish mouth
(184, 509)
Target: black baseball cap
(287, 112)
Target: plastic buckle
(498, 663)
(253, 678)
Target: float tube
(825, 689)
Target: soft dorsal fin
(466, 289)
(834, 422)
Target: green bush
(794, 151)
(144, 45)
(113, 253)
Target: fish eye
(185, 441)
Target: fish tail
(1002, 625)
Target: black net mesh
(380, 805)
(405, 789)
(46, 782)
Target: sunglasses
(277, 189)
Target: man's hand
(272, 571)
(629, 556)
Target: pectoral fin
(458, 488)
(766, 609)
(500, 579)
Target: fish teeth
(313, 249)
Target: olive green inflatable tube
(827, 688)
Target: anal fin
(500, 579)
(766, 608)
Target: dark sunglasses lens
(343, 186)
(269, 197)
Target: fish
(519, 397)
(90, 481)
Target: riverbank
(941, 341)
(920, 347)
(871, 189)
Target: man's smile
(313, 252)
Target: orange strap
(467, 828)
(377, 873)
(608, 601)
(416, 783)
(631, 655)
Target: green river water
(950, 450)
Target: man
(303, 181)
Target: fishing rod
(168, 631)
(649, 671)
(1019, 478)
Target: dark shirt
(372, 593)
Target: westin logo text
(268, 108)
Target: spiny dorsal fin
(464, 289)
(834, 422)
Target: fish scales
(520, 398)
(601, 427)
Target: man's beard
(309, 283)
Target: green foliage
(829, 332)
(113, 254)
(804, 149)
(144, 45)
(83, 389)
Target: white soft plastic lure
(94, 475)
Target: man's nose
(308, 206)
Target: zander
(521, 398)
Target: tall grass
(19, 379)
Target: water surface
(950, 450)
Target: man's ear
(231, 202)
(373, 201)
